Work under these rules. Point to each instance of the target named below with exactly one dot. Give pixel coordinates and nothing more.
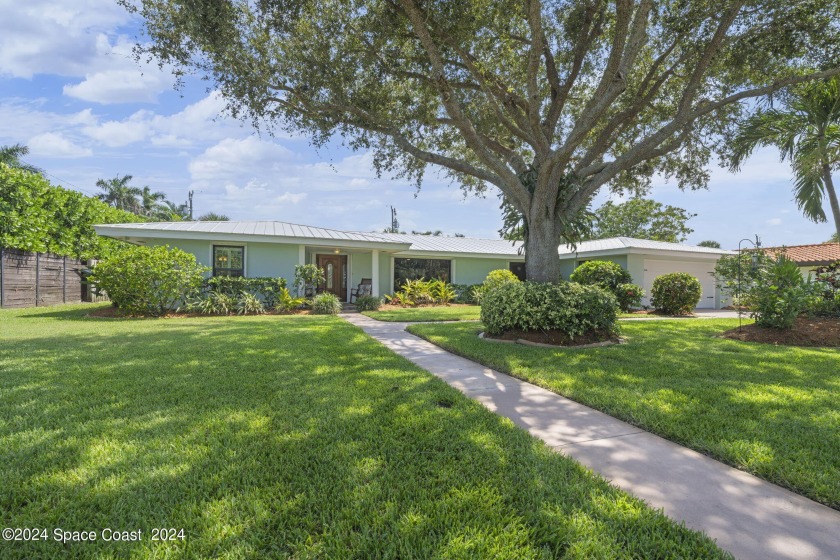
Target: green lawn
(436, 313)
(769, 410)
(295, 437)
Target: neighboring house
(274, 248)
(808, 257)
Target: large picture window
(228, 260)
(412, 269)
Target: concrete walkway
(747, 516)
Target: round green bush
(499, 277)
(605, 274)
(368, 303)
(677, 293)
(149, 280)
(629, 296)
(570, 308)
(326, 304)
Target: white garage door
(701, 271)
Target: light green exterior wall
(475, 270)
(360, 267)
(386, 282)
(261, 259)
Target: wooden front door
(334, 268)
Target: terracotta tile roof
(818, 254)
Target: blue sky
(70, 90)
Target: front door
(334, 268)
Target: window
(228, 261)
(518, 268)
(412, 269)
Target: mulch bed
(555, 337)
(814, 332)
(116, 313)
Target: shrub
(466, 293)
(247, 304)
(442, 293)
(212, 303)
(149, 280)
(307, 278)
(629, 296)
(265, 288)
(780, 295)
(826, 291)
(499, 277)
(677, 293)
(423, 292)
(368, 303)
(570, 308)
(752, 265)
(606, 274)
(326, 304)
(286, 303)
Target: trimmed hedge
(568, 307)
(677, 293)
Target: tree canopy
(13, 157)
(546, 100)
(38, 216)
(709, 243)
(643, 219)
(807, 132)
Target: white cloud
(239, 157)
(774, 222)
(54, 145)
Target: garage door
(701, 271)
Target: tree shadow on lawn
(302, 438)
(769, 410)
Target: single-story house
(808, 257)
(263, 248)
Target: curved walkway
(749, 517)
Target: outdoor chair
(364, 288)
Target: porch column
(301, 255)
(374, 273)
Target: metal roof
(418, 243)
(271, 229)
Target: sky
(72, 92)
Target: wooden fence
(35, 279)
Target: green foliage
(286, 303)
(780, 295)
(567, 307)
(326, 304)
(643, 219)
(433, 313)
(467, 293)
(806, 130)
(266, 288)
(753, 264)
(629, 296)
(12, 156)
(606, 274)
(212, 303)
(677, 293)
(307, 278)
(213, 217)
(368, 303)
(709, 243)
(149, 280)
(249, 304)
(826, 290)
(423, 292)
(40, 217)
(496, 278)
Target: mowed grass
(434, 313)
(281, 437)
(770, 410)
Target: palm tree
(150, 201)
(808, 135)
(213, 217)
(835, 238)
(710, 243)
(119, 194)
(11, 156)
(172, 212)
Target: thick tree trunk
(832, 198)
(542, 262)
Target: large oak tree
(547, 100)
